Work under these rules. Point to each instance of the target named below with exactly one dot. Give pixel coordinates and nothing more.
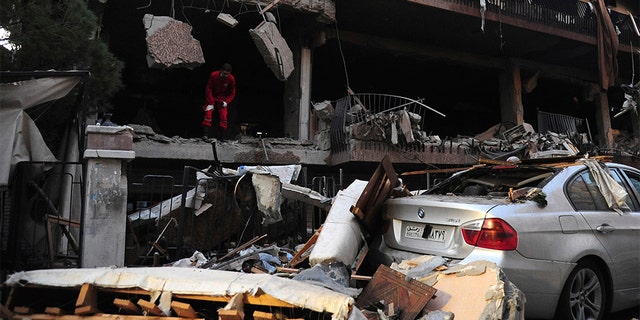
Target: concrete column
(305, 90)
(104, 222)
(603, 120)
(297, 98)
(511, 109)
(293, 94)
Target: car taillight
(492, 233)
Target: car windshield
(493, 180)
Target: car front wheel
(584, 294)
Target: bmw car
(565, 233)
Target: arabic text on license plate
(416, 232)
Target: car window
(493, 180)
(616, 176)
(635, 180)
(584, 194)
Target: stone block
(109, 138)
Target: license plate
(418, 232)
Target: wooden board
(183, 310)
(376, 192)
(408, 297)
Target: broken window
(493, 181)
(583, 192)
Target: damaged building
(325, 90)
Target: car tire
(584, 295)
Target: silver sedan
(567, 235)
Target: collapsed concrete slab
(170, 43)
(274, 49)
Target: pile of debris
(522, 141)
(399, 121)
(332, 275)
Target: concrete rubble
(170, 43)
(273, 47)
(403, 128)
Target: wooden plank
(87, 302)
(257, 270)
(5, 313)
(88, 296)
(63, 221)
(360, 277)
(150, 307)
(297, 258)
(183, 309)
(127, 305)
(287, 270)
(259, 315)
(22, 310)
(242, 247)
(230, 314)
(269, 6)
(85, 310)
(54, 311)
(260, 299)
(360, 258)
(159, 248)
(377, 190)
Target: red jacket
(219, 89)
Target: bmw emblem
(420, 213)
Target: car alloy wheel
(584, 294)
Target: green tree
(60, 35)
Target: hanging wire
(344, 63)
(146, 6)
(279, 21)
(633, 69)
(182, 6)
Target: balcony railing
(565, 15)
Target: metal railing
(378, 117)
(43, 227)
(575, 16)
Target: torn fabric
(613, 193)
(19, 136)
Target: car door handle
(605, 228)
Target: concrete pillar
(104, 222)
(297, 98)
(603, 120)
(293, 94)
(305, 90)
(511, 109)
